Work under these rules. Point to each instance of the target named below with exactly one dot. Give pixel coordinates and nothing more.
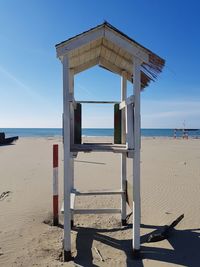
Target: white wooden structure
(109, 48)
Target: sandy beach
(170, 186)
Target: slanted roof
(109, 48)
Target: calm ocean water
(49, 132)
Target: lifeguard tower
(111, 49)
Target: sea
(57, 132)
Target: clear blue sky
(31, 75)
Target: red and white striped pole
(55, 185)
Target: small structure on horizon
(111, 49)
(185, 132)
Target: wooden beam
(98, 147)
(89, 50)
(112, 67)
(99, 193)
(130, 126)
(67, 162)
(86, 65)
(117, 124)
(123, 156)
(72, 200)
(78, 42)
(96, 211)
(136, 158)
(126, 45)
(85, 56)
(128, 101)
(71, 96)
(98, 102)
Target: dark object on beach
(164, 234)
(4, 195)
(7, 141)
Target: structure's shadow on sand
(185, 246)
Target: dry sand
(170, 186)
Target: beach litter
(164, 234)
(98, 253)
(4, 195)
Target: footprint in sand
(5, 194)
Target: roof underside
(109, 53)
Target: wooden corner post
(123, 155)
(71, 108)
(67, 161)
(55, 186)
(136, 158)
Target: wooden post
(136, 158)
(67, 162)
(55, 185)
(117, 124)
(71, 170)
(174, 133)
(123, 155)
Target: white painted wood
(117, 58)
(98, 147)
(79, 41)
(112, 67)
(123, 156)
(86, 65)
(122, 105)
(71, 98)
(96, 211)
(126, 45)
(62, 208)
(72, 201)
(123, 186)
(71, 94)
(98, 102)
(67, 163)
(111, 50)
(130, 126)
(124, 99)
(107, 33)
(128, 101)
(84, 57)
(92, 211)
(136, 160)
(103, 192)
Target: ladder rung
(96, 211)
(93, 193)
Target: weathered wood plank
(99, 148)
(96, 211)
(117, 124)
(77, 124)
(128, 101)
(98, 102)
(99, 192)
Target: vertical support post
(71, 92)
(174, 133)
(136, 158)
(55, 185)
(123, 156)
(129, 126)
(67, 162)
